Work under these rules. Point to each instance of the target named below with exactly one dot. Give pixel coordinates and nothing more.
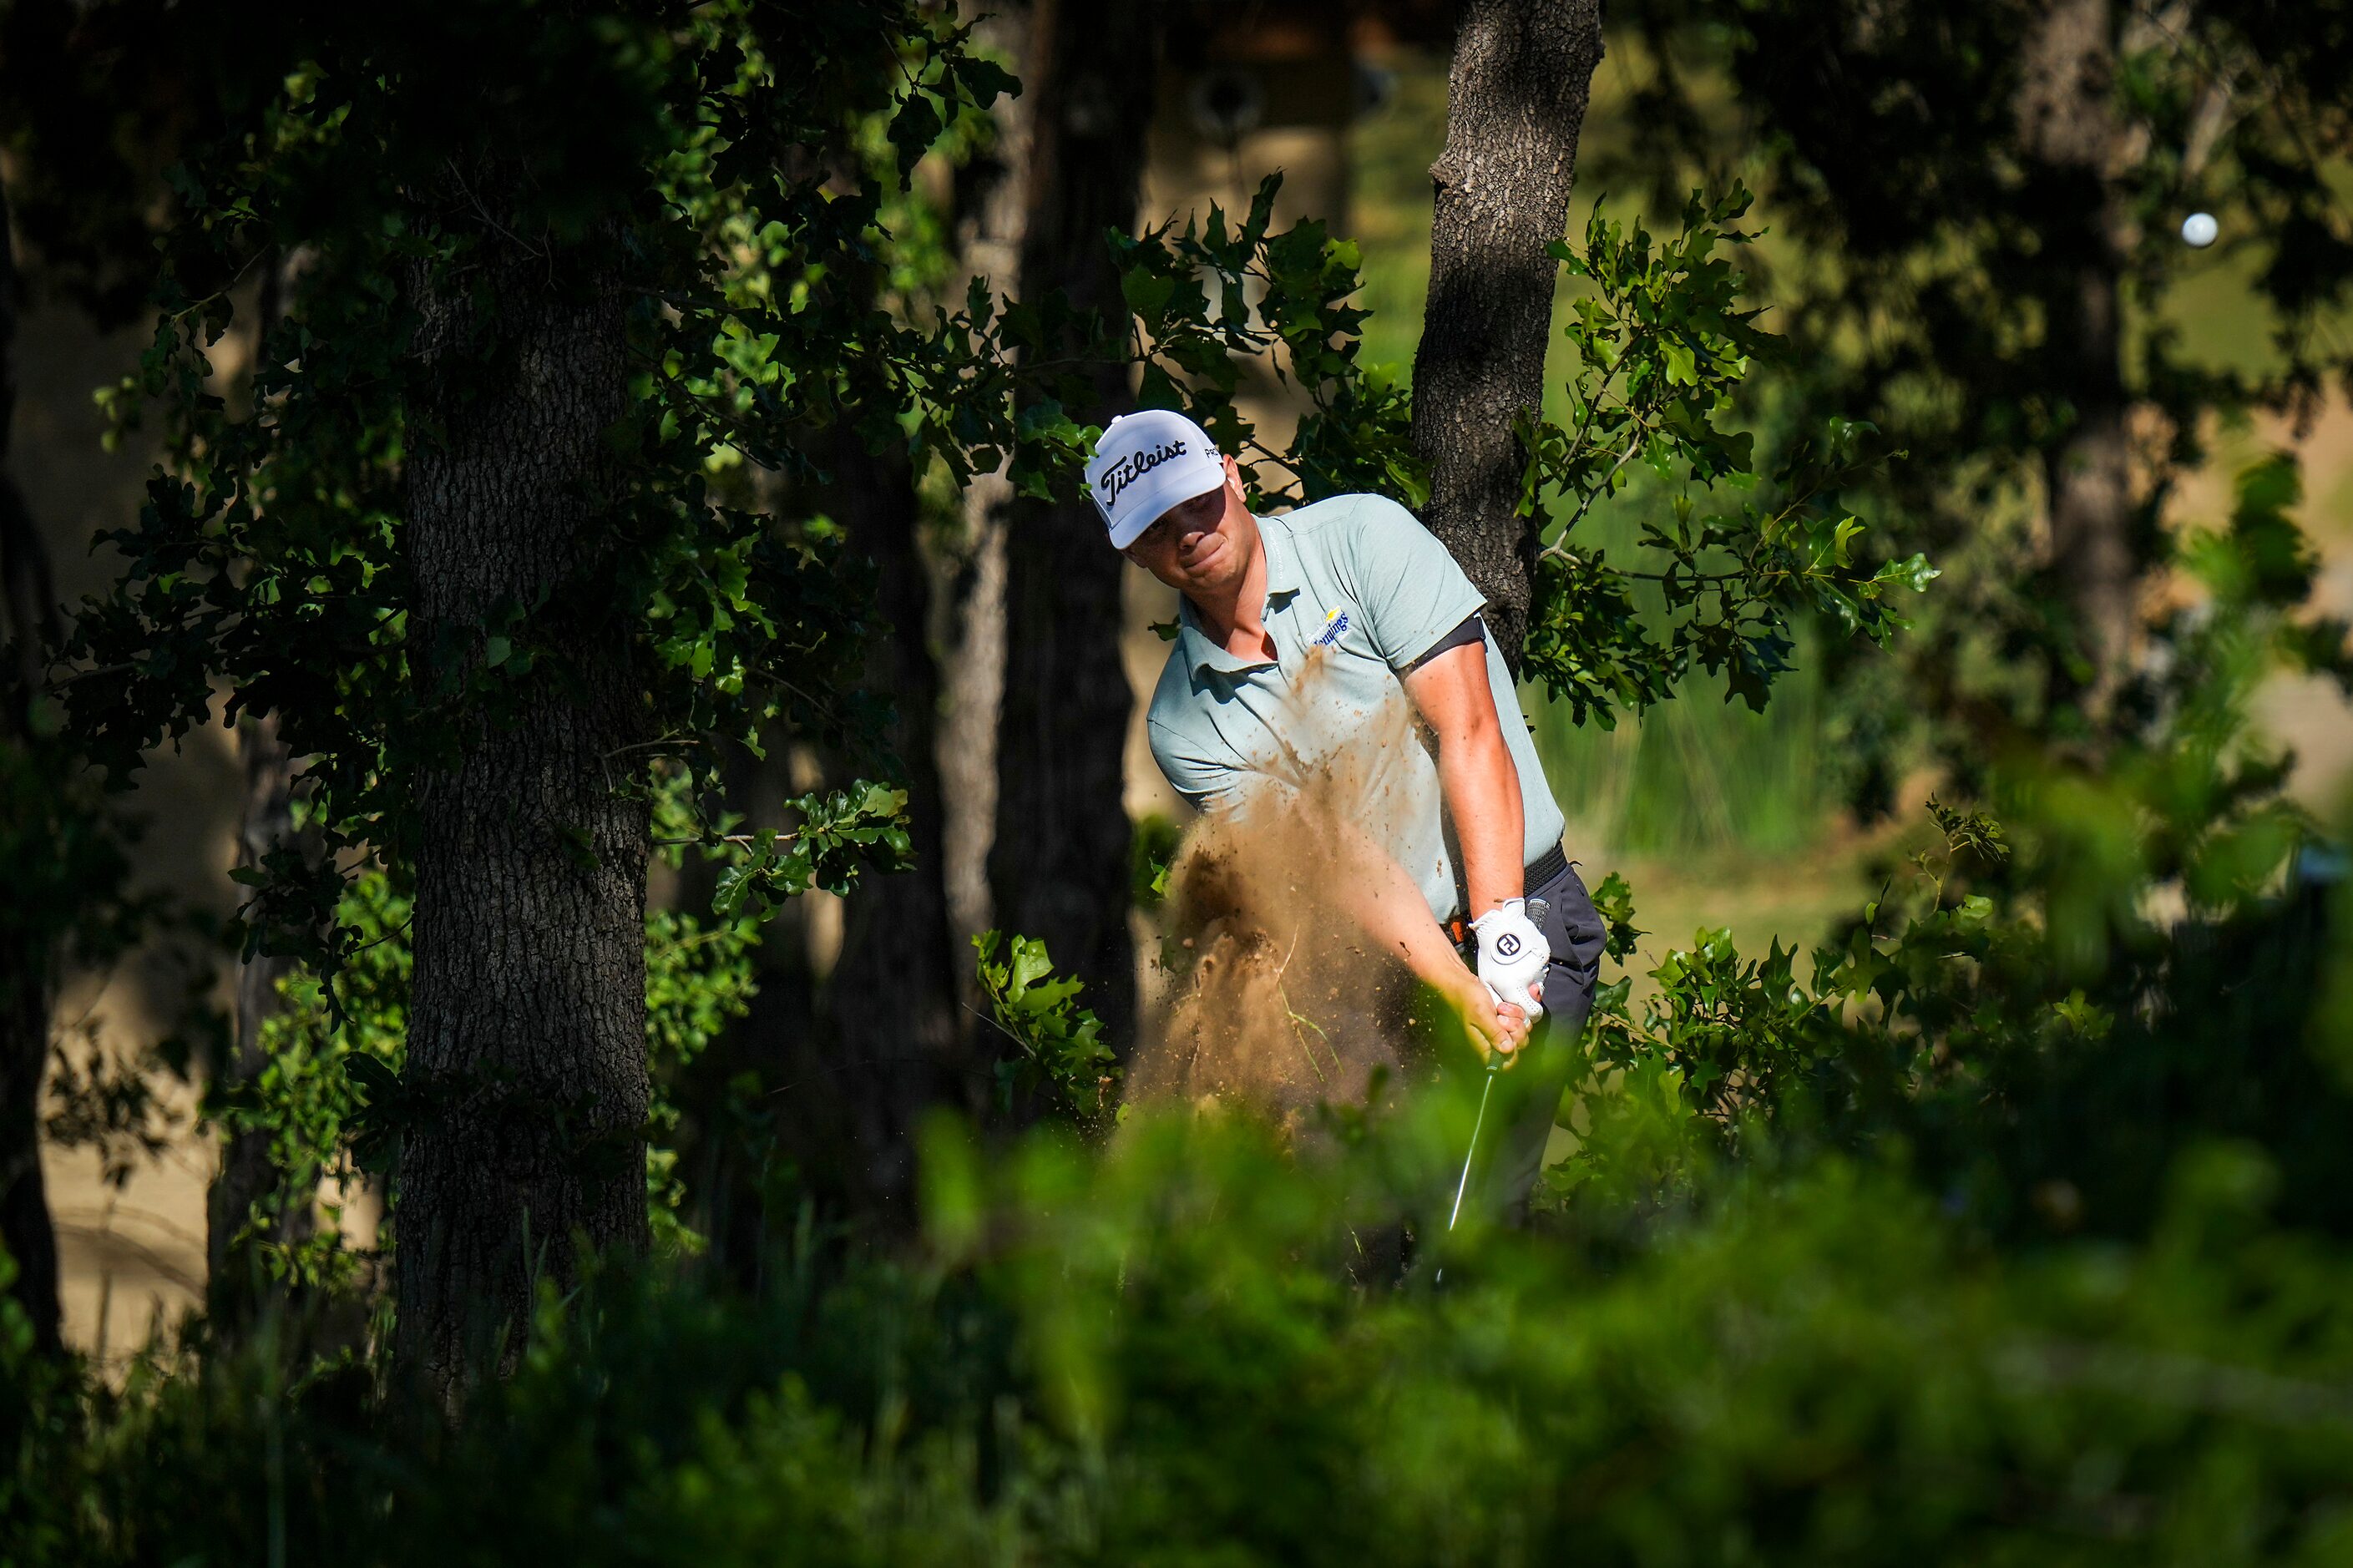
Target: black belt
(1540, 870)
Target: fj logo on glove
(1134, 466)
(1513, 954)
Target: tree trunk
(1059, 869)
(24, 1224)
(27, 619)
(26, 993)
(526, 1073)
(2068, 121)
(897, 995)
(992, 196)
(2088, 481)
(234, 1290)
(892, 993)
(246, 1173)
(970, 711)
(1516, 98)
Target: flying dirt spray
(1280, 1003)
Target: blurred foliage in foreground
(1159, 1359)
(2020, 1231)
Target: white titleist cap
(1146, 463)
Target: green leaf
(1146, 293)
(1058, 1044)
(1914, 574)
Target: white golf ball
(2198, 229)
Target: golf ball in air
(2198, 229)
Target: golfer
(1469, 831)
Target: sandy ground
(130, 1241)
(131, 1258)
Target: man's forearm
(1475, 770)
(1483, 796)
(1392, 913)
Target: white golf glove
(1513, 954)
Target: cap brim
(1154, 499)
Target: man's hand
(1494, 1027)
(1513, 954)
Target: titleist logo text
(1134, 466)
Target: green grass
(1389, 206)
(1695, 775)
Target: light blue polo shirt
(1357, 589)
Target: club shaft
(1472, 1154)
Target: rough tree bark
(892, 993)
(1059, 869)
(992, 195)
(2068, 121)
(526, 1051)
(1517, 96)
(27, 619)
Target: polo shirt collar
(1203, 652)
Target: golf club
(1536, 911)
(1494, 1066)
